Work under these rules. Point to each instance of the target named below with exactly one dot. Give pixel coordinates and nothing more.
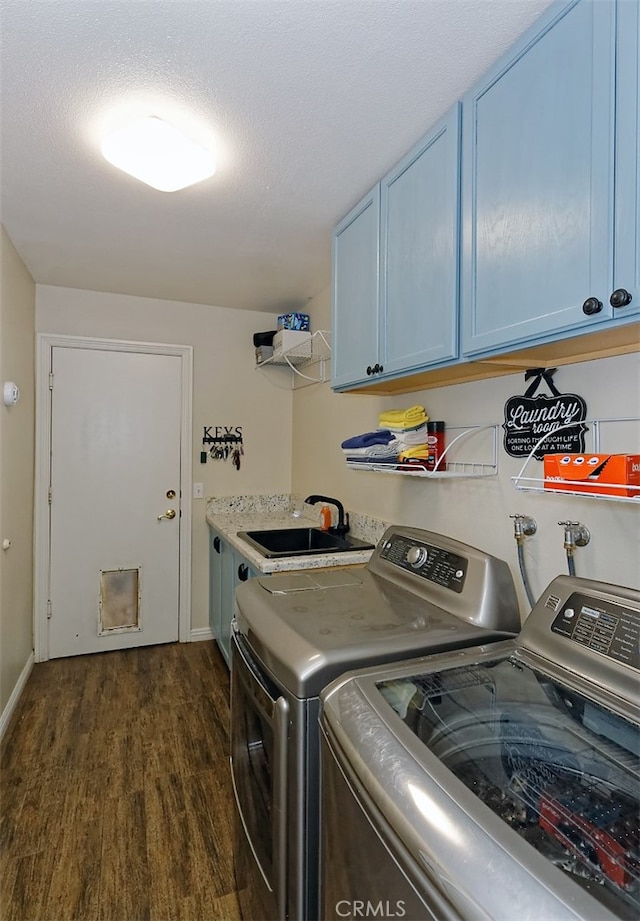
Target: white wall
(17, 312)
(475, 511)
(227, 390)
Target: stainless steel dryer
(421, 592)
(500, 782)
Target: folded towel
(378, 461)
(413, 436)
(389, 450)
(419, 452)
(380, 437)
(406, 428)
(402, 429)
(414, 415)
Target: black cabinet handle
(620, 298)
(243, 572)
(216, 544)
(591, 305)
(380, 369)
(369, 370)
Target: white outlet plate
(198, 490)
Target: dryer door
(258, 772)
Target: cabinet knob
(216, 544)
(369, 370)
(380, 369)
(243, 572)
(620, 298)
(591, 305)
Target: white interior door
(115, 499)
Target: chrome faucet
(343, 520)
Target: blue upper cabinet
(626, 276)
(395, 266)
(511, 230)
(355, 344)
(419, 252)
(538, 183)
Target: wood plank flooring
(116, 801)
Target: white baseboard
(200, 633)
(12, 703)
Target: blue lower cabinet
(227, 569)
(216, 548)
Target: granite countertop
(229, 515)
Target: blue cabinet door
(355, 345)
(215, 582)
(419, 248)
(228, 585)
(235, 570)
(627, 245)
(538, 183)
(243, 569)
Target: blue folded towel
(374, 461)
(381, 437)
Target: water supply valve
(575, 534)
(523, 526)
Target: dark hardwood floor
(116, 794)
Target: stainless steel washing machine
(294, 633)
(498, 782)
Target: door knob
(170, 513)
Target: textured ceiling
(306, 103)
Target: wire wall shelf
(455, 469)
(586, 490)
(312, 352)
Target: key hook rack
(223, 447)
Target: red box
(593, 474)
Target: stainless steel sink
(300, 542)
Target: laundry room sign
(558, 418)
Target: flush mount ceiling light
(155, 152)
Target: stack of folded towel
(401, 437)
(409, 426)
(379, 445)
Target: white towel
(417, 437)
(390, 450)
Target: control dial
(416, 556)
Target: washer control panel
(427, 561)
(601, 625)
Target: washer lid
(487, 757)
(287, 584)
(308, 629)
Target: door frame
(42, 533)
